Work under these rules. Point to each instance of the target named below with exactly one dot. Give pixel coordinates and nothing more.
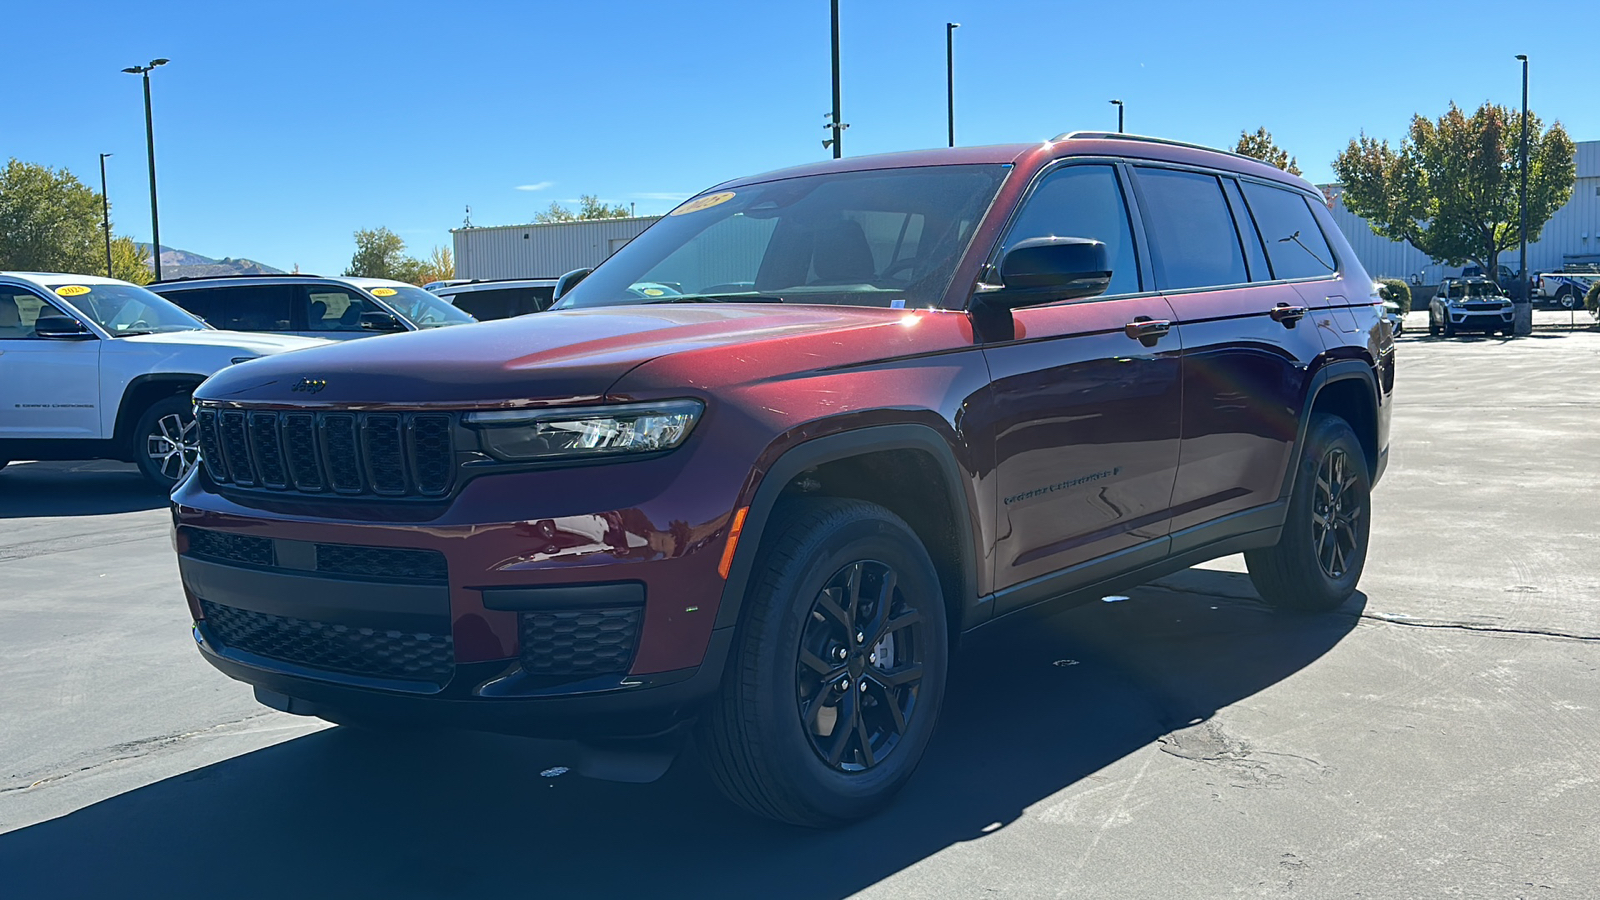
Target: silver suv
(1470, 304)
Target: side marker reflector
(734, 531)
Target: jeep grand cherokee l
(889, 400)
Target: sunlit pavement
(1436, 737)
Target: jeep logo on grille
(309, 385)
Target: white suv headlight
(585, 432)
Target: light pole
(1525, 296)
(950, 74)
(1118, 105)
(105, 212)
(150, 144)
(837, 126)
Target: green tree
(380, 253)
(1591, 300)
(49, 221)
(130, 261)
(439, 266)
(589, 207)
(1398, 291)
(1451, 189)
(1260, 146)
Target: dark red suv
(757, 474)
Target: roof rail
(1143, 139)
(238, 275)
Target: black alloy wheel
(860, 667)
(1335, 514)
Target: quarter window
(1247, 232)
(1082, 202)
(1294, 241)
(1192, 236)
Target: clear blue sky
(281, 127)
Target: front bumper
(1491, 319)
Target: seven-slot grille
(350, 453)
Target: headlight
(516, 435)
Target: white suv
(95, 368)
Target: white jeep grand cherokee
(96, 368)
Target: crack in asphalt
(1491, 629)
(79, 541)
(132, 750)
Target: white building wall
(1571, 235)
(541, 251)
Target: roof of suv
(37, 279)
(1077, 143)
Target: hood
(254, 343)
(548, 358)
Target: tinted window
(247, 307)
(329, 308)
(1085, 202)
(1193, 241)
(1247, 232)
(502, 303)
(19, 310)
(1295, 244)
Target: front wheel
(166, 442)
(838, 671)
(1567, 299)
(1319, 557)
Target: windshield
(424, 309)
(124, 309)
(881, 238)
(1475, 289)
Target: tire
(769, 740)
(1449, 330)
(1567, 299)
(168, 423)
(1433, 327)
(1314, 568)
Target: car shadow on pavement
(36, 490)
(1033, 708)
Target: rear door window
(332, 308)
(1082, 201)
(245, 307)
(1294, 241)
(1248, 232)
(1193, 241)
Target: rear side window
(1082, 202)
(1192, 237)
(247, 307)
(502, 303)
(1295, 244)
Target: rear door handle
(1286, 314)
(1146, 330)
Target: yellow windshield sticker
(653, 292)
(72, 290)
(705, 202)
(384, 292)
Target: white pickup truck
(1566, 288)
(96, 368)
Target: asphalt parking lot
(1436, 737)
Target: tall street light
(950, 73)
(1118, 105)
(1522, 264)
(837, 126)
(105, 212)
(150, 141)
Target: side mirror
(1047, 269)
(569, 281)
(62, 328)
(378, 320)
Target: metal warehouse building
(541, 251)
(1571, 236)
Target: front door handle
(1146, 330)
(1287, 315)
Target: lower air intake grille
(229, 547)
(579, 641)
(376, 653)
(382, 562)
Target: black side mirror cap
(567, 282)
(378, 320)
(62, 328)
(1048, 269)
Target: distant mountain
(177, 263)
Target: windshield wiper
(719, 298)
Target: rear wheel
(1449, 330)
(1319, 557)
(838, 672)
(166, 442)
(1568, 298)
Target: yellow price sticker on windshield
(384, 292)
(72, 290)
(705, 202)
(653, 292)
